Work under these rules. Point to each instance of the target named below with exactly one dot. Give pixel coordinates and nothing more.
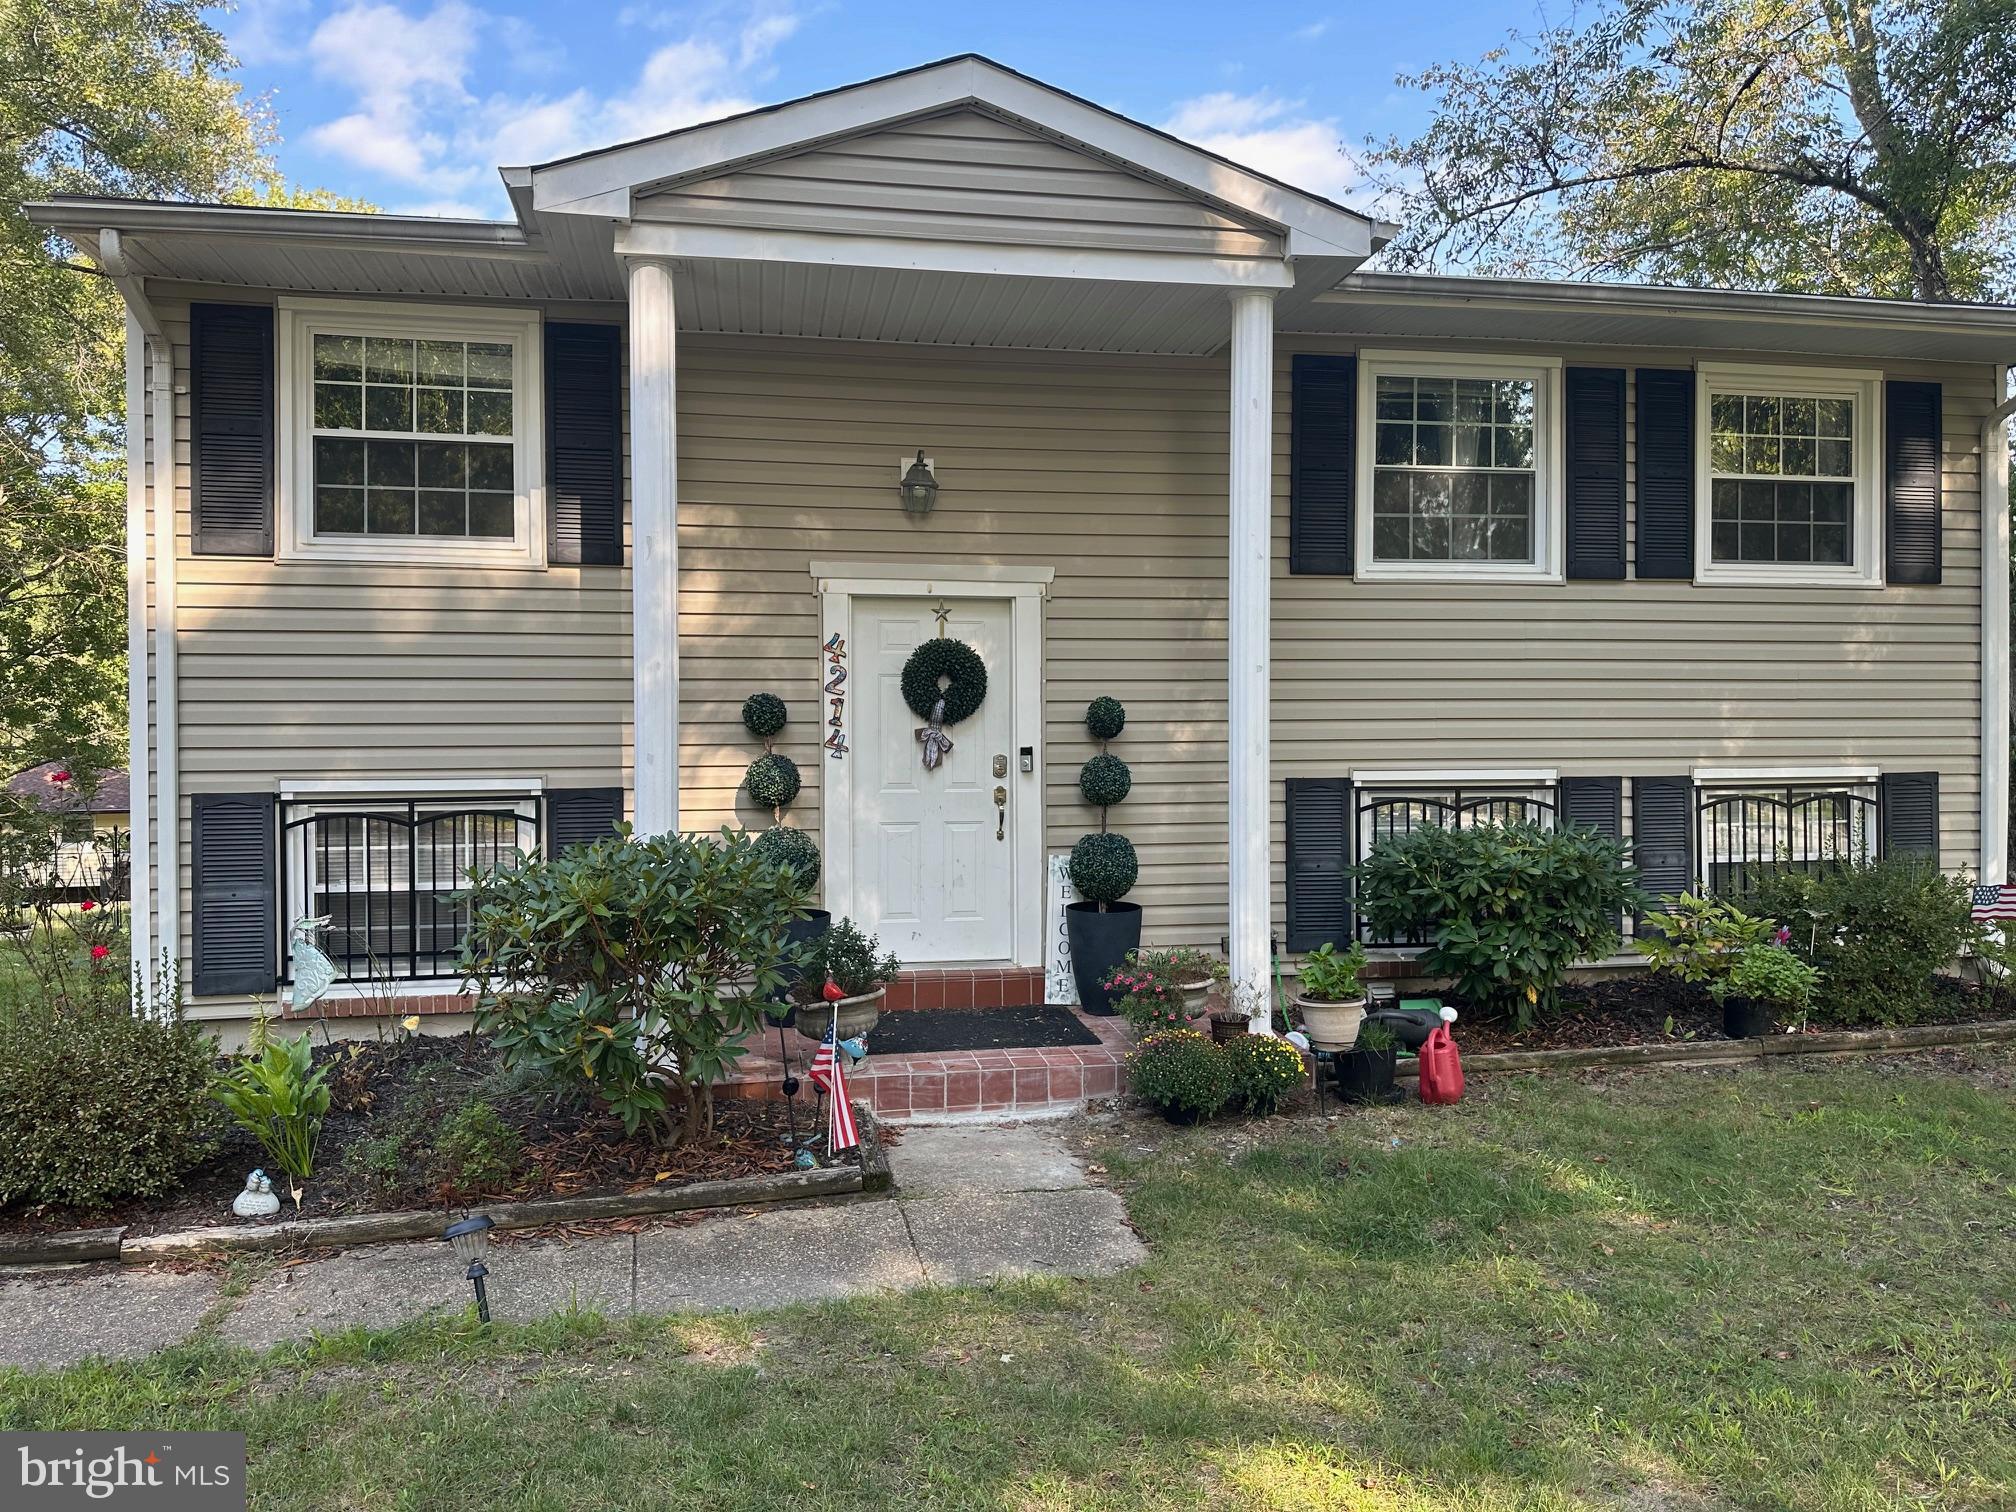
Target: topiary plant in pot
(773, 781)
(1102, 929)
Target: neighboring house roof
(39, 785)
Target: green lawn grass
(1773, 1288)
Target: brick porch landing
(952, 1084)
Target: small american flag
(830, 1079)
(1995, 900)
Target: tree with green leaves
(1818, 146)
(129, 97)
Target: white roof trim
(1314, 226)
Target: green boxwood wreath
(763, 714)
(1105, 717)
(784, 846)
(1104, 868)
(959, 664)
(773, 780)
(1104, 780)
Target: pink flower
(87, 905)
(63, 776)
(99, 952)
(1784, 935)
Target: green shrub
(1148, 994)
(1105, 717)
(786, 846)
(1104, 868)
(1180, 1072)
(380, 1161)
(849, 958)
(100, 1104)
(773, 779)
(1325, 976)
(763, 714)
(1264, 1071)
(633, 968)
(1104, 780)
(1877, 931)
(1770, 974)
(280, 1098)
(1698, 939)
(476, 1149)
(1506, 909)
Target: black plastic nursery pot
(798, 932)
(1099, 942)
(1747, 1018)
(1364, 1075)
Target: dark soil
(388, 1102)
(1645, 1009)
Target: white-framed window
(1390, 803)
(1750, 823)
(410, 433)
(1459, 472)
(383, 864)
(1789, 465)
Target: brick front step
(965, 987)
(958, 1083)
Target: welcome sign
(1059, 986)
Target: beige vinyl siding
(1641, 678)
(1107, 469)
(319, 671)
(962, 175)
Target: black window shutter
(1662, 832)
(1908, 810)
(1319, 860)
(1323, 399)
(1665, 473)
(575, 816)
(1595, 399)
(1911, 475)
(236, 889)
(231, 429)
(1595, 803)
(584, 444)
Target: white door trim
(836, 794)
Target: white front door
(934, 855)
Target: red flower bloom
(99, 952)
(59, 776)
(87, 905)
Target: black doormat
(925, 1031)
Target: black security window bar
(1746, 834)
(386, 871)
(1383, 815)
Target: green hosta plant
(635, 967)
(1770, 974)
(279, 1097)
(1506, 909)
(1328, 975)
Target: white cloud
(262, 33)
(1274, 135)
(1310, 32)
(422, 118)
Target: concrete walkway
(973, 1204)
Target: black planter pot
(1364, 1075)
(1747, 1018)
(1411, 1026)
(1182, 1117)
(797, 932)
(1099, 942)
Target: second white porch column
(1248, 663)
(654, 549)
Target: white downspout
(139, 816)
(167, 808)
(1995, 637)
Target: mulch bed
(407, 1087)
(1644, 1009)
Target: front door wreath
(963, 690)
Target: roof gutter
(1995, 728)
(150, 455)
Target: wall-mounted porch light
(919, 487)
(470, 1240)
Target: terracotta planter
(1229, 1026)
(1331, 1026)
(858, 1015)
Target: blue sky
(412, 104)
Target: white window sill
(446, 554)
(1782, 577)
(1390, 572)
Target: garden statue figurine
(257, 1200)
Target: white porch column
(1248, 663)
(654, 548)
